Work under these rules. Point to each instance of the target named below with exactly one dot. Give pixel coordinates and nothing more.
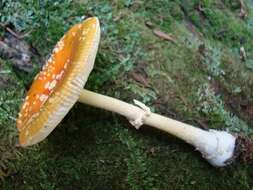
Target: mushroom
(60, 84)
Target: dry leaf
(140, 78)
(164, 35)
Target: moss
(176, 11)
(10, 99)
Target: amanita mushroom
(60, 84)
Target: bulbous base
(217, 147)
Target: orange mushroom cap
(57, 87)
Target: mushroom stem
(217, 147)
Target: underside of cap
(36, 126)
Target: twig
(164, 35)
(243, 12)
(14, 33)
(160, 33)
(9, 30)
(242, 53)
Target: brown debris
(244, 148)
(164, 35)
(200, 8)
(121, 15)
(140, 78)
(149, 24)
(192, 28)
(17, 50)
(203, 124)
(243, 10)
(159, 33)
(15, 34)
(248, 111)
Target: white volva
(217, 147)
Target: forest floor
(191, 60)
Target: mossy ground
(94, 149)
